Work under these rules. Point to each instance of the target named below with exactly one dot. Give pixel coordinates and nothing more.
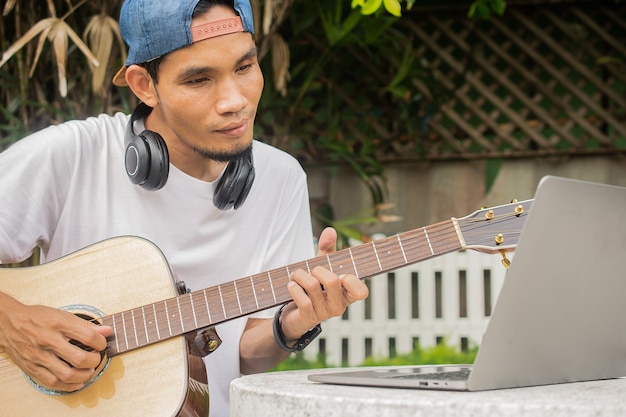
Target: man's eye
(196, 81)
(245, 67)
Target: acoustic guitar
(126, 283)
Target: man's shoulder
(67, 137)
(103, 125)
(116, 122)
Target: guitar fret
(193, 312)
(175, 313)
(308, 267)
(219, 288)
(117, 339)
(353, 264)
(237, 296)
(269, 276)
(145, 325)
(132, 313)
(260, 283)
(256, 300)
(380, 267)
(214, 298)
(330, 265)
(445, 245)
(230, 291)
(206, 302)
(342, 263)
(180, 315)
(428, 240)
(125, 332)
(156, 322)
(167, 316)
(288, 273)
(390, 254)
(402, 249)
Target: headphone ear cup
(245, 190)
(234, 186)
(147, 160)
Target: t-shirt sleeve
(32, 189)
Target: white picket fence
(448, 297)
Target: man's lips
(234, 129)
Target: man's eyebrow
(196, 70)
(252, 53)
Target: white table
(291, 394)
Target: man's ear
(142, 84)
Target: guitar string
(228, 293)
(442, 233)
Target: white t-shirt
(65, 187)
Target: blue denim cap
(154, 28)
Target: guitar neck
(175, 316)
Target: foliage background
(336, 73)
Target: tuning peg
(505, 261)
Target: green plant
(478, 8)
(298, 361)
(350, 227)
(442, 353)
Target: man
(193, 65)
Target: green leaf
(371, 6)
(498, 6)
(393, 7)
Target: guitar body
(111, 276)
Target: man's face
(208, 94)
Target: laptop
(560, 313)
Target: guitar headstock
(495, 229)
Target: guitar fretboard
(176, 316)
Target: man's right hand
(37, 339)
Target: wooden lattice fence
(542, 79)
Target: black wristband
(301, 343)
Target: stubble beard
(226, 155)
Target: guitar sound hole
(87, 313)
(81, 345)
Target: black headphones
(147, 164)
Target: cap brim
(119, 79)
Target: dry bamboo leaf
(58, 37)
(51, 8)
(40, 43)
(280, 63)
(57, 31)
(100, 33)
(27, 37)
(267, 16)
(8, 6)
(81, 45)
